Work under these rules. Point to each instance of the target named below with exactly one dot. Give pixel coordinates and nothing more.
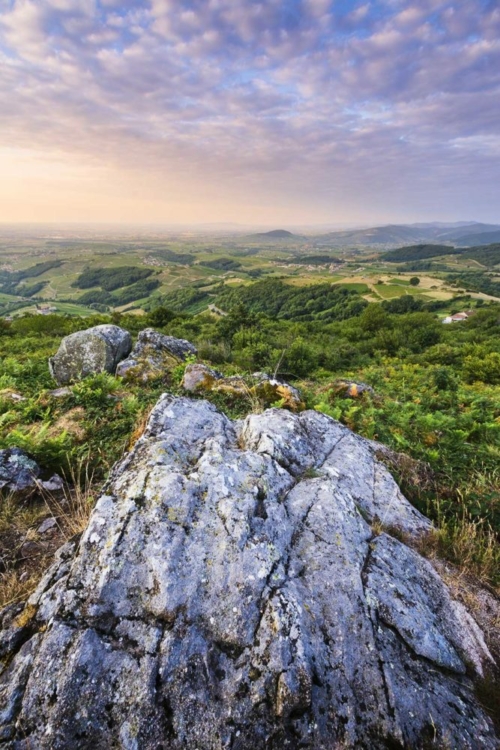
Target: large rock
(154, 355)
(230, 592)
(94, 350)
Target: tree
(160, 317)
(414, 281)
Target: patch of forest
(487, 255)
(275, 299)
(184, 259)
(475, 281)
(317, 260)
(110, 279)
(222, 264)
(136, 291)
(418, 252)
(11, 281)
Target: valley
(46, 271)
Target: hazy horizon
(216, 227)
(269, 114)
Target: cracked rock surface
(229, 592)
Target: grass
(470, 544)
(26, 554)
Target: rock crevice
(230, 592)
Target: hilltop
(276, 234)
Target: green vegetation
(181, 300)
(222, 264)
(111, 278)
(418, 252)
(276, 299)
(436, 391)
(37, 270)
(168, 255)
(486, 255)
(475, 281)
(11, 281)
(317, 260)
(437, 388)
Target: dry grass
(471, 545)
(72, 511)
(25, 554)
(139, 428)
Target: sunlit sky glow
(273, 112)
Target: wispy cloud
(340, 108)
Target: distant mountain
(487, 255)
(418, 252)
(391, 234)
(397, 235)
(483, 238)
(444, 224)
(276, 234)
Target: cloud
(298, 96)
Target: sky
(272, 112)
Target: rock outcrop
(94, 350)
(154, 355)
(236, 589)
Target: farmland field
(43, 268)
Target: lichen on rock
(230, 592)
(154, 355)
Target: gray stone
(50, 524)
(60, 392)
(54, 484)
(18, 472)
(154, 354)
(230, 592)
(199, 377)
(94, 350)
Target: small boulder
(272, 390)
(94, 350)
(153, 355)
(18, 472)
(48, 526)
(54, 484)
(351, 389)
(60, 392)
(198, 377)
